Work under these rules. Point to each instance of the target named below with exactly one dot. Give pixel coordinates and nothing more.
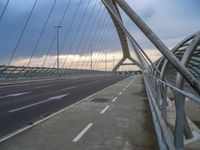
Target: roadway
(25, 103)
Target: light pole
(113, 62)
(105, 61)
(91, 57)
(58, 49)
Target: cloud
(170, 20)
(167, 18)
(74, 61)
(84, 62)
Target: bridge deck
(99, 122)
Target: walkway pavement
(117, 118)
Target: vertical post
(113, 61)
(164, 102)
(157, 92)
(91, 58)
(105, 61)
(58, 49)
(179, 124)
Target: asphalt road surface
(24, 103)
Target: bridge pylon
(122, 37)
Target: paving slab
(117, 118)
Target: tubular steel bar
(121, 34)
(159, 113)
(160, 45)
(132, 40)
(181, 102)
(181, 43)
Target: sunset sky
(171, 20)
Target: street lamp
(113, 62)
(91, 67)
(105, 61)
(57, 30)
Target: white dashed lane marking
(114, 99)
(105, 109)
(78, 137)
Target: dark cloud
(171, 20)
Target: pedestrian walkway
(117, 118)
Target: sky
(171, 20)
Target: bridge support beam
(122, 37)
(181, 102)
(160, 45)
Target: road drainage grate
(100, 100)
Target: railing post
(157, 93)
(164, 103)
(179, 138)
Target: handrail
(157, 90)
(189, 95)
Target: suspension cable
(106, 47)
(41, 34)
(4, 9)
(77, 31)
(54, 36)
(83, 33)
(99, 28)
(22, 33)
(111, 47)
(94, 34)
(105, 23)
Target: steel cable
(4, 9)
(41, 34)
(77, 31)
(22, 33)
(106, 47)
(94, 33)
(54, 36)
(99, 28)
(105, 24)
(82, 36)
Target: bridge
(74, 76)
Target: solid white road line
(41, 102)
(114, 99)
(40, 87)
(104, 110)
(68, 88)
(15, 95)
(120, 93)
(78, 137)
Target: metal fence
(157, 90)
(20, 72)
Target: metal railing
(21, 72)
(157, 91)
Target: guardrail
(157, 91)
(21, 72)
